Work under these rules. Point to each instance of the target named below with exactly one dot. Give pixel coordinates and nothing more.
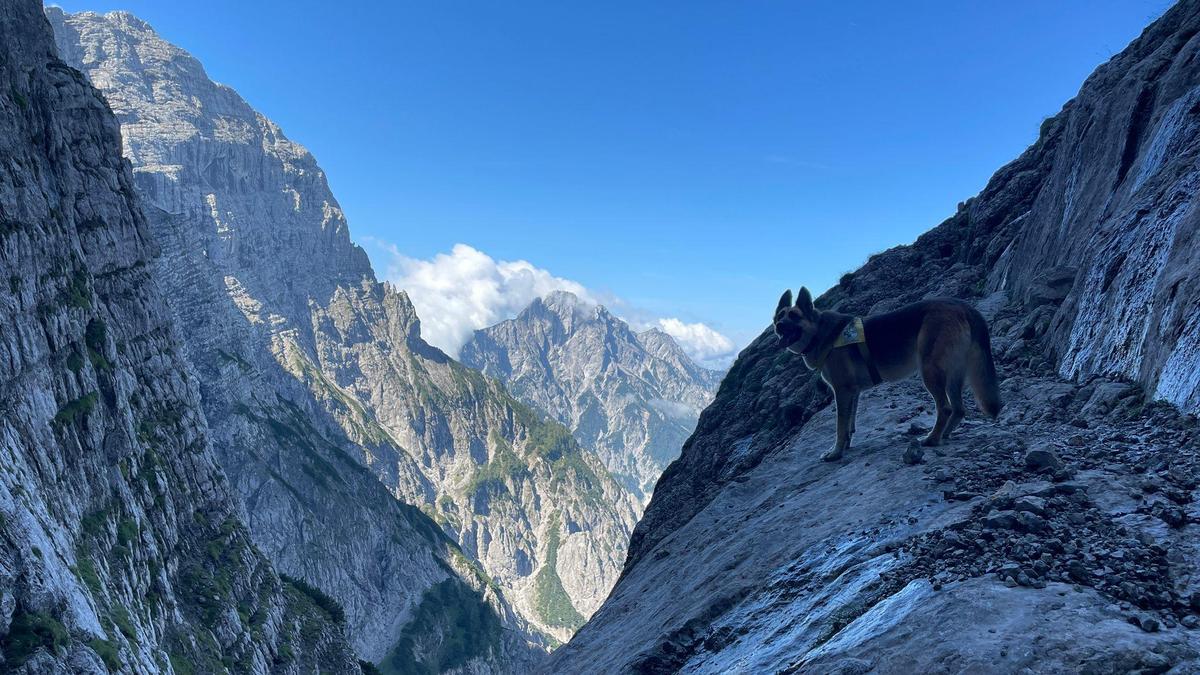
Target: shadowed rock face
(312, 369)
(631, 397)
(1081, 253)
(123, 548)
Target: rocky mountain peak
(633, 401)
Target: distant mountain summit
(633, 398)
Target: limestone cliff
(310, 367)
(121, 546)
(1062, 539)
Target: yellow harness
(852, 334)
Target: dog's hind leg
(954, 390)
(935, 382)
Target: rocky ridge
(632, 398)
(1073, 520)
(311, 367)
(121, 545)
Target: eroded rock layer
(121, 546)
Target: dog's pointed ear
(804, 301)
(785, 301)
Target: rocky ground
(1063, 538)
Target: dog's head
(796, 325)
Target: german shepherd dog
(945, 339)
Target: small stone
(1191, 621)
(1149, 624)
(915, 429)
(914, 454)
(1042, 459)
(1028, 522)
(1077, 441)
(1000, 520)
(1035, 505)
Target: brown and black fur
(944, 339)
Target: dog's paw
(832, 454)
(931, 442)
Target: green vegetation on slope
(550, 599)
(451, 626)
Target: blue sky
(690, 159)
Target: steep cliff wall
(307, 361)
(121, 548)
(1082, 252)
(632, 398)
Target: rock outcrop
(1073, 520)
(121, 545)
(633, 398)
(311, 368)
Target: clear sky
(689, 158)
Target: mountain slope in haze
(631, 397)
(1062, 539)
(307, 361)
(121, 545)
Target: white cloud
(702, 343)
(464, 290)
(674, 409)
(458, 292)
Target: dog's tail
(982, 371)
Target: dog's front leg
(844, 399)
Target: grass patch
(120, 618)
(503, 465)
(80, 406)
(451, 626)
(95, 337)
(318, 598)
(107, 652)
(85, 569)
(550, 599)
(76, 294)
(29, 632)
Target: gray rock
(119, 533)
(1042, 459)
(1034, 505)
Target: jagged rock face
(1081, 253)
(632, 398)
(306, 360)
(123, 549)
(543, 517)
(248, 230)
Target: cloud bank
(459, 292)
(702, 343)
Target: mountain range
(324, 407)
(228, 448)
(632, 398)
